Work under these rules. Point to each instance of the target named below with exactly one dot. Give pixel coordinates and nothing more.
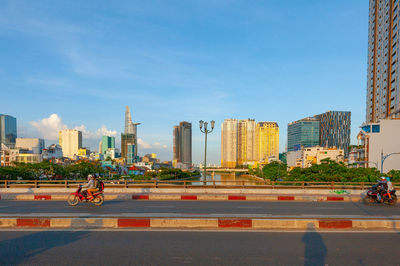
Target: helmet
(383, 178)
(388, 179)
(89, 177)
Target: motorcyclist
(390, 186)
(382, 188)
(91, 185)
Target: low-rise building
(308, 156)
(8, 156)
(35, 145)
(29, 158)
(380, 140)
(53, 152)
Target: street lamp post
(203, 129)
(384, 157)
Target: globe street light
(203, 129)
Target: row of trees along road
(327, 171)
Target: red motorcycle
(372, 196)
(80, 196)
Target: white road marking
(244, 207)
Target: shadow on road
(22, 249)
(315, 250)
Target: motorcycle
(372, 196)
(80, 196)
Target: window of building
(376, 128)
(367, 129)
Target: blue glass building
(8, 130)
(304, 132)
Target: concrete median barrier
(212, 223)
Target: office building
(182, 146)
(383, 87)
(333, 131)
(303, 133)
(107, 142)
(129, 138)
(229, 143)
(128, 144)
(34, 145)
(70, 141)
(8, 130)
(267, 142)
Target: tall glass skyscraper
(183, 143)
(383, 83)
(107, 142)
(304, 132)
(8, 130)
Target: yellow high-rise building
(246, 141)
(267, 141)
(229, 143)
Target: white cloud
(144, 145)
(48, 128)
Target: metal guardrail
(191, 184)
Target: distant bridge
(227, 170)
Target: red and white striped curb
(201, 223)
(200, 197)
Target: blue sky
(77, 64)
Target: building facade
(381, 139)
(245, 142)
(303, 133)
(130, 130)
(182, 146)
(128, 143)
(34, 145)
(307, 156)
(8, 130)
(267, 141)
(107, 142)
(334, 130)
(383, 87)
(70, 141)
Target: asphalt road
(197, 248)
(201, 207)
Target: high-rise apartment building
(383, 83)
(267, 141)
(70, 141)
(333, 131)
(107, 142)
(303, 133)
(245, 142)
(229, 143)
(182, 146)
(8, 130)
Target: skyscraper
(383, 83)
(246, 141)
(334, 130)
(304, 132)
(70, 141)
(229, 143)
(129, 138)
(107, 142)
(183, 143)
(8, 130)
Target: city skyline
(241, 65)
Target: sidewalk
(190, 196)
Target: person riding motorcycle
(91, 185)
(382, 188)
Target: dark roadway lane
(197, 248)
(202, 207)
